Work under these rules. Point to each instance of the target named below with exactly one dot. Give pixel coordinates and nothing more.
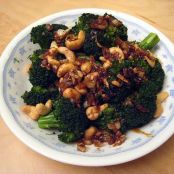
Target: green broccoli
(131, 63)
(83, 23)
(90, 46)
(155, 83)
(107, 116)
(108, 36)
(44, 35)
(139, 113)
(67, 118)
(39, 76)
(144, 98)
(38, 94)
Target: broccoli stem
(48, 122)
(149, 42)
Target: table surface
(14, 16)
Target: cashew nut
(34, 112)
(30, 111)
(86, 67)
(149, 61)
(53, 50)
(106, 82)
(75, 43)
(81, 88)
(121, 77)
(90, 79)
(53, 45)
(62, 33)
(117, 50)
(115, 83)
(107, 64)
(71, 94)
(52, 61)
(64, 68)
(93, 112)
(44, 109)
(90, 132)
(103, 107)
(70, 56)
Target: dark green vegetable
(68, 137)
(155, 83)
(68, 119)
(38, 94)
(140, 113)
(108, 36)
(49, 121)
(118, 66)
(90, 46)
(83, 23)
(95, 37)
(106, 117)
(149, 42)
(44, 35)
(39, 76)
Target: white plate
(13, 83)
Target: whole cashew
(86, 67)
(117, 50)
(34, 112)
(70, 56)
(106, 63)
(150, 61)
(64, 68)
(54, 49)
(31, 112)
(90, 79)
(81, 88)
(93, 112)
(90, 132)
(75, 44)
(52, 61)
(71, 94)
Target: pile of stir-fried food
(91, 83)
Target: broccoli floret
(71, 120)
(68, 137)
(118, 66)
(38, 94)
(108, 36)
(105, 37)
(39, 76)
(146, 98)
(90, 46)
(83, 23)
(44, 36)
(134, 116)
(36, 55)
(107, 116)
(156, 79)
